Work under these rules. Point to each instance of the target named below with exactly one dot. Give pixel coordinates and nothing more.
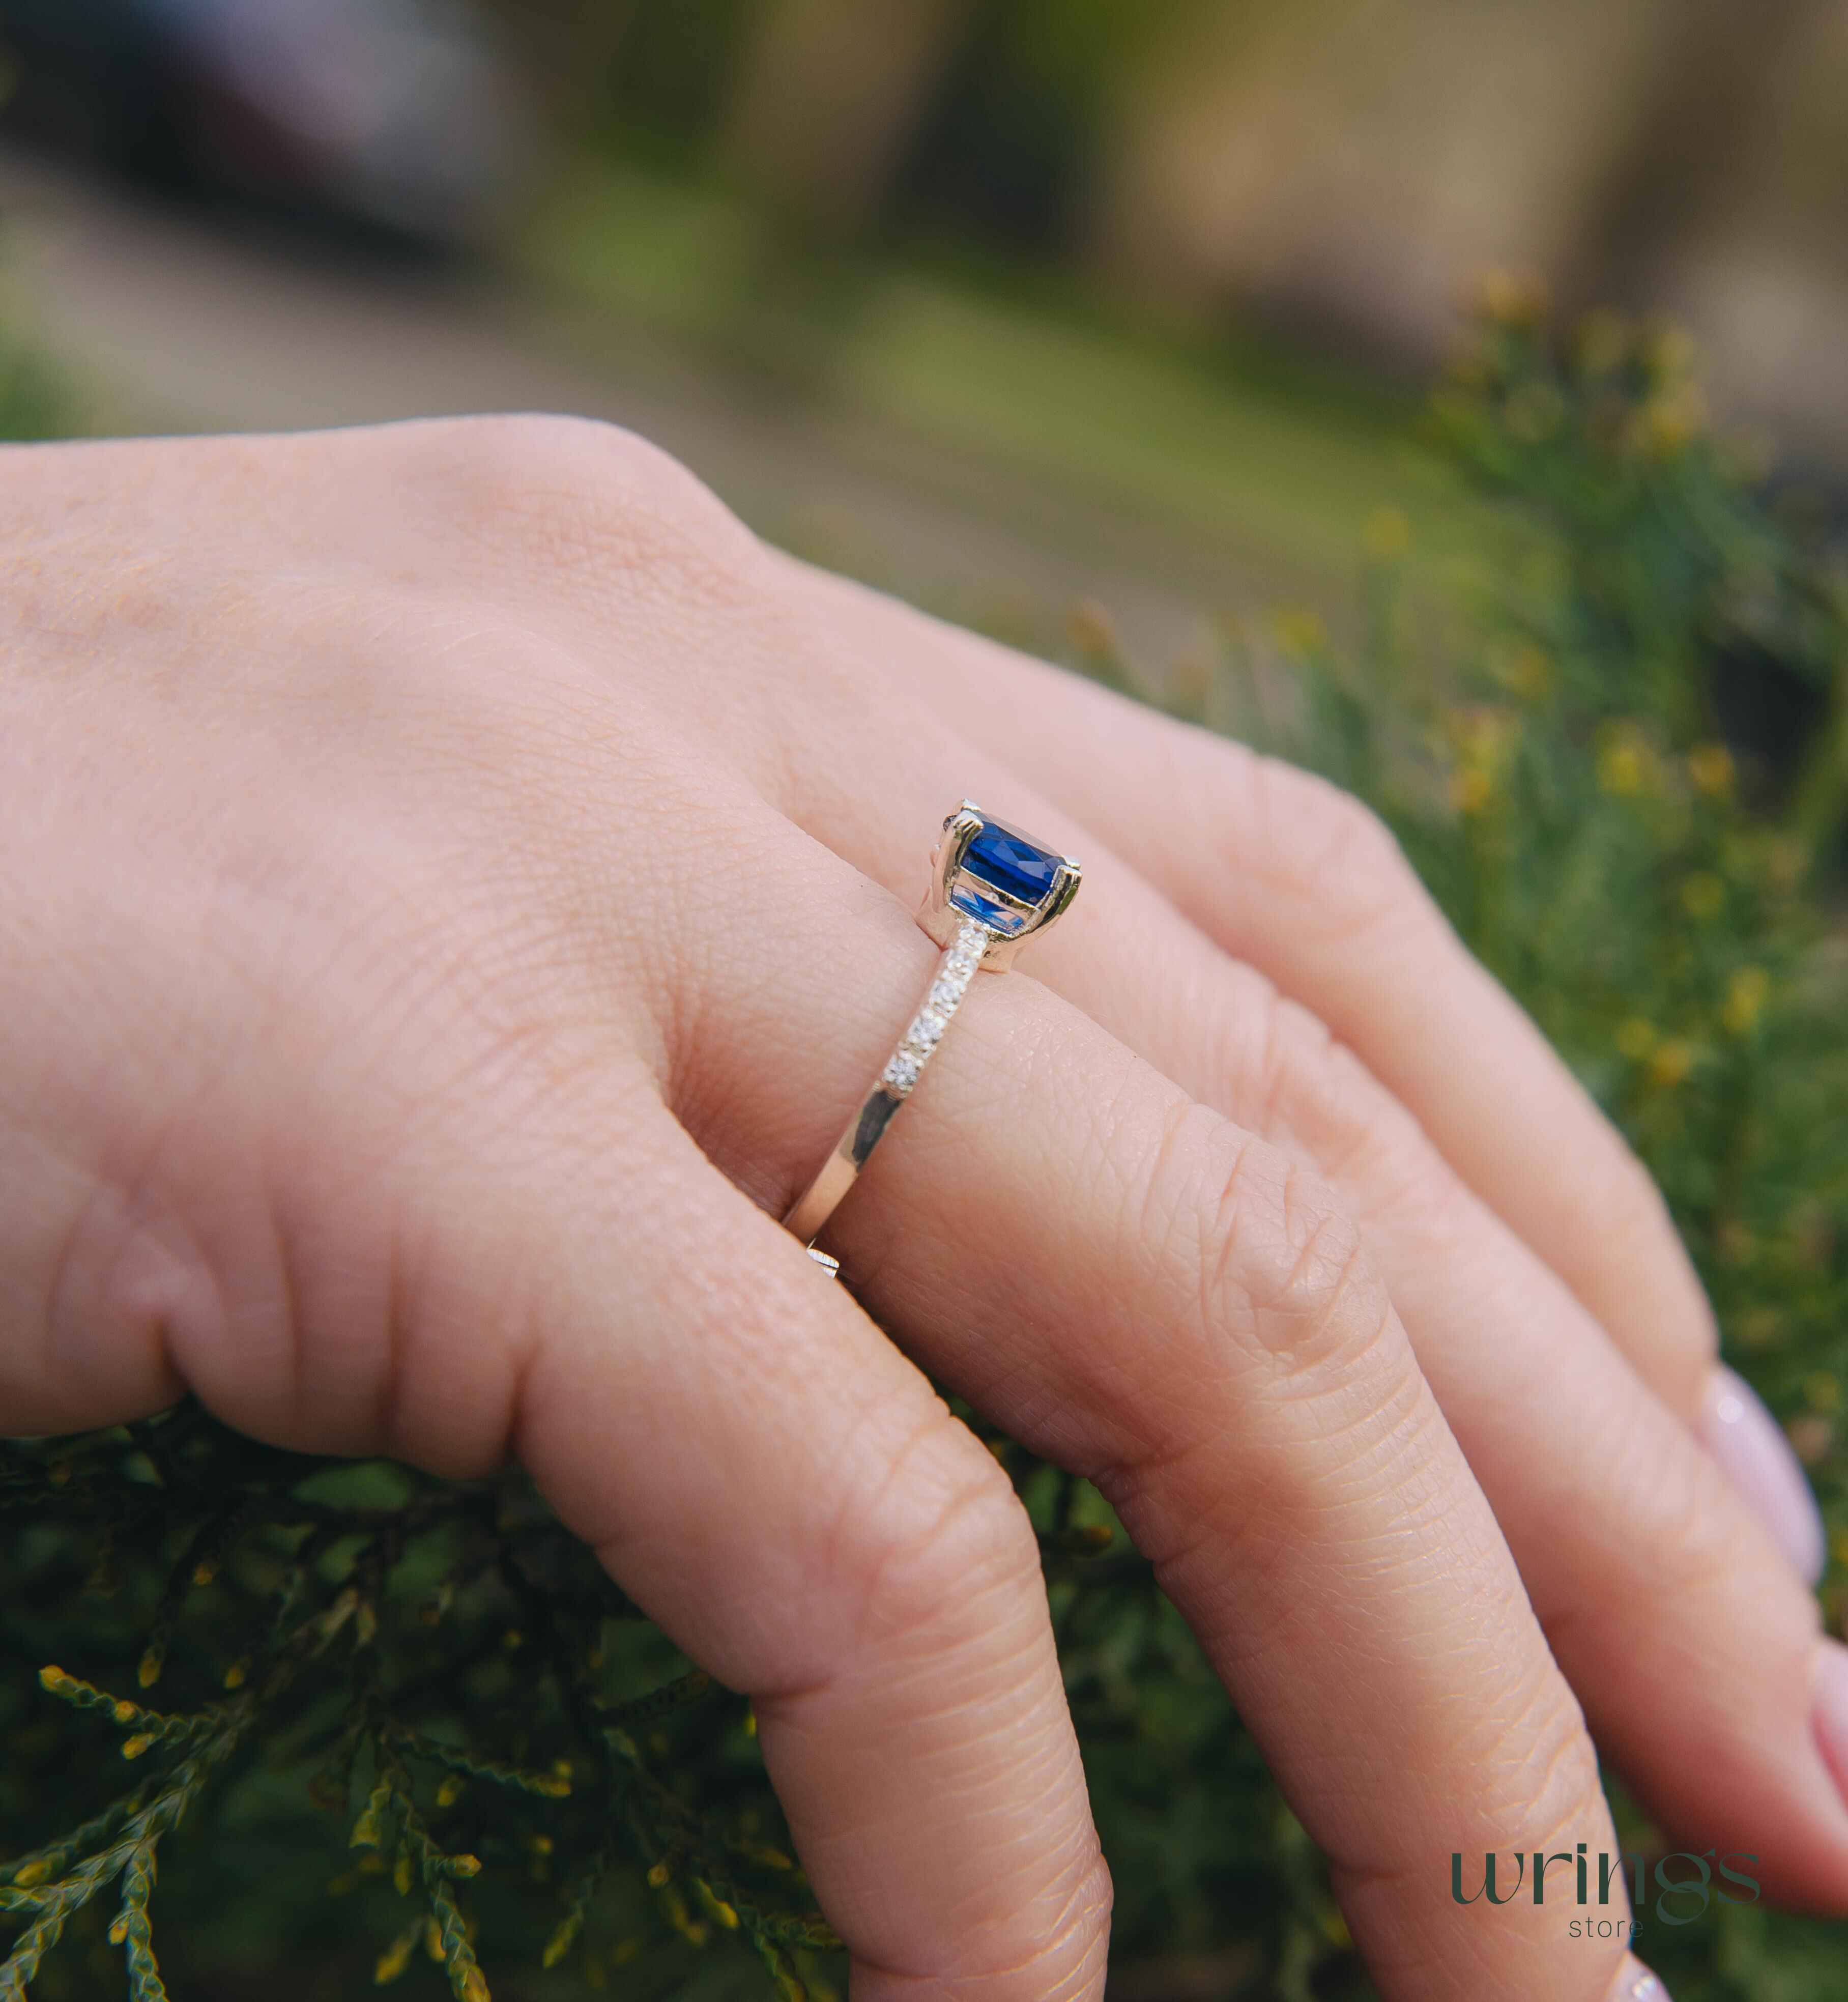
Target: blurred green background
(1134, 333)
(1001, 302)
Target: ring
(990, 888)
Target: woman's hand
(454, 885)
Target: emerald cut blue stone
(1000, 860)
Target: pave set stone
(955, 971)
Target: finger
(558, 1271)
(1295, 878)
(800, 1510)
(1171, 1308)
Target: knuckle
(581, 496)
(1628, 1199)
(1676, 1505)
(1288, 1055)
(1264, 1294)
(1083, 1939)
(1068, 1965)
(1634, 1219)
(130, 1299)
(1328, 852)
(1057, 1955)
(1279, 1259)
(945, 1532)
(1308, 1087)
(1309, 1090)
(1052, 1947)
(1537, 1790)
(1538, 1795)
(1542, 1786)
(1703, 1548)
(1622, 1213)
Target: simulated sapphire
(1018, 870)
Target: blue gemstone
(998, 917)
(998, 859)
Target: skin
(454, 884)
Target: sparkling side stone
(955, 971)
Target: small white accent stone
(955, 972)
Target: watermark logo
(1678, 1889)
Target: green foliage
(1671, 585)
(1661, 898)
(439, 1670)
(35, 402)
(416, 1729)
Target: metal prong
(1000, 956)
(960, 829)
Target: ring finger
(1179, 1312)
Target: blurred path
(171, 320)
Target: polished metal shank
(897, 1082)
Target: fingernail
(1828, 1710)
(1635, 1983)
(1750, 1445)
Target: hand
(456, 883)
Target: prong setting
(984, 871)
(936, 916)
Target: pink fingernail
(1637, 1984)
(1750, 1445)
(1828, 1711)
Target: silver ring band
(990, 889)
(864, 1131)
